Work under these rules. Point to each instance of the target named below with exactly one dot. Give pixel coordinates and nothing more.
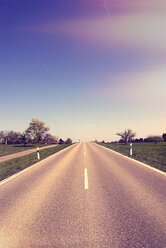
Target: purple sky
(88, 68)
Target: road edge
(132, 159)
(31, 166)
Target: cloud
(121, 5)
(147, 86)
(138, 30)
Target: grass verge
(9, 149)
(15, 165)
(149, 153)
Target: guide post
(38, 153)
(131, 150)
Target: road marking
(134, 160)
(86, 186)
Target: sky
(87, 68)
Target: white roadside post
(131, 150)
(38, 153)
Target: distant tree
(37, 130)
(50, 139)
(164, 136)
(61, 141)
(2, 137)
(9, 137)
(138, 140)
(156, 139)
(29, 138)
(127, 135)
(13, 137)
(68, 141)
(6, 137)
(24, 138)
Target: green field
(9, 149)
(13, 166)
(149, 153)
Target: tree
(154, 139)
(37, 130)
(9, 137)
(138, 140)
(13, 137)
(121, 141)
(164, 136)
(24, 138)
(127, 135)
(50, 139)
(68, 141)
(61, 141)
(2, 137)
(6, 137)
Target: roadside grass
(9, 149)
(13, 166)
(149, 153)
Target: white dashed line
(86, 186)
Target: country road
(84, 196)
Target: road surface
(23, 153)
(84, 196)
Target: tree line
(36, 133)
(128, 136)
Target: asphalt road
(84, 196)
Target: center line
(86, 179)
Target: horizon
(83, 141)
(88, 69)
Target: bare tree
(127, 135)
